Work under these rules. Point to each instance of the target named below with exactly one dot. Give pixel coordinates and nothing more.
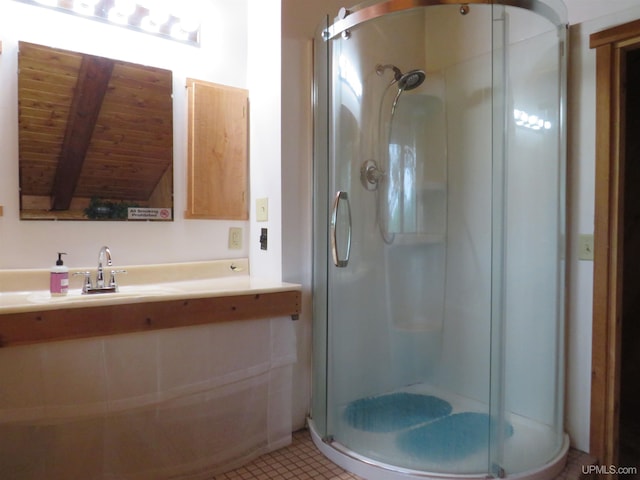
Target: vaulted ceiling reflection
(92, 129)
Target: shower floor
(417, 447)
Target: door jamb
(610, 45)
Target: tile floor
(302, 461)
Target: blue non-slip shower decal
(450, 438)
(395, 411)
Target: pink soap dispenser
(59, 281)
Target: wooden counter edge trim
(65, 324)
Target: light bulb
(189, 24)
(125, 7)
(121, 11)
(85, 7)
(178, 33)
(149, 25)
(158, 16)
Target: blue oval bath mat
(395, 411)
(450, 438)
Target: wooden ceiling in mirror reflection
(91, 127)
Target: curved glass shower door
(391, 374)
(425, 209)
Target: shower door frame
(349, 19)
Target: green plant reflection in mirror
(95, 137)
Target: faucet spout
(103, 257)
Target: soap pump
(59, 281)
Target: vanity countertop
(27, 290)
(150, 297)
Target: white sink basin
(123, 291)
(153, 289)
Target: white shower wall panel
(534, 260)
(464, 366)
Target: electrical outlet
(235, 238)
(585, 248)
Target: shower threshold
(526, 439)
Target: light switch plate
(585, 247)
(262, 209)
(235, 238)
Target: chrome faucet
(104, 255)
(100, 286)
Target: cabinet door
(218, 181)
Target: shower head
(411, 80)
(406, 81)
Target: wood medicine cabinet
(218, 181)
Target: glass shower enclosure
(439, 230)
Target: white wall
(228, 55)
(581, 103)
(264, 87)
(586, 10)
(300, 18)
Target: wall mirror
(95, 137)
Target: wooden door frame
(611, 46)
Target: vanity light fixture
(172, 19)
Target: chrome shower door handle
(336, 216)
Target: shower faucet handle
(370, 174)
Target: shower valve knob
(370, 175)
(373, 175)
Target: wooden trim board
(610, 46)
(65, 324)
